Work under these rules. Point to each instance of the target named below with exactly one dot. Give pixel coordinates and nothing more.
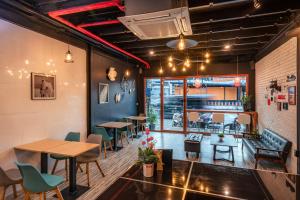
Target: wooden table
(115, 126)
(64, 148)
(228, 141)
(137, 119)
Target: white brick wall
(277, 65)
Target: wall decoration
(132, 87)
(290, 78)
(279, 106)
(281, 97)
(269, 101)
(43, 87)
(285, 106)
(118, 98)
(103, 93)
(292, 95)
(112, 74)
(124, 84)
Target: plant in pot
(246, 101)
(221, 136)
(152, 119)
(147, 157)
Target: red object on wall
(281, 97)
(114, 3)
(269, 101)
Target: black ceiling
(228, 21)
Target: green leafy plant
(246, 101)
(255, 134)
(146, 156)
(152, 118)
(221, 134)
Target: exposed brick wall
(277, 65)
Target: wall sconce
(126, 75)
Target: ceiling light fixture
(227, 46)
(207, 60)
(257, 4)
(237, 80)
(68, 56)
(184, 69)
(161, 71)
(207, 55)
(170, 58)
(170, 64)
(202, 67)
(151, 52)
(187, 63)
(174, 69)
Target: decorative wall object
(103, 93)
(292, 95)
(132, 87)
(279, 106)
(124, 84)
(285, 106)
(43, 87)
(118, 98)
(290, 78)
(112, 74)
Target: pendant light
(68, 56)
(237, 81)
(197, 81)
(160, 71)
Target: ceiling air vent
(160, 24)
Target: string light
(207, 55)
(174, 69)
(184, 69)
(160, 71)
(202, 67)
(207, 61)
(170, 59)
(227, 46)
(170, 64)
(187, 63)
(181, 43)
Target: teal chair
(35, 182)
(105, 137)
(73, 137)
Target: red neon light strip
(56, 15)
(99, 23)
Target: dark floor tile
(198, 196)
(124, 189)
(177, 176)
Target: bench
(268, 146)
(192, 143)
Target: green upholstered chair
(35, 182)
(73, 137)
(91, 156)
(8, 178)
(105, 137)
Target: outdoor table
(63, 148)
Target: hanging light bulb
(170, 64)
(170, 59)
(256, 4)
(197, 83)
(184, 69)
(207, 55)
(68, 56)
(202, 67)
(174, 69)
(181, 43)
(187, 63)
(207, 60)
(237, 82)
(161, 71)
(127, 73)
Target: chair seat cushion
(14, 174)
(267, 154)
(87, 157)
(53, 180)
(58, 157)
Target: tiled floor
(118, 162)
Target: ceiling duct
(157, 19)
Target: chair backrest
(244, 119)
(95, 139)
(73, 137)
(142, 114)
(32, 178)
(218, 118)
(4, 179)
(102, 131)
(193, 117)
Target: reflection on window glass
(153, 103)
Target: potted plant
(147, 156)
(246, 101)
(221, 136)
(152, 119)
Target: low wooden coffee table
(228, 141)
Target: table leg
(231, 149)
(215, 148)
(44, 163)
(137, 127)
(72, 176)
(116, 139)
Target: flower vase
(148, 170)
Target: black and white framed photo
(103, 93)
(43, 86)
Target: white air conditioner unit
(161, 24)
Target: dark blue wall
(110, 111)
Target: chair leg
(256, 161)
(41, 196)
(99, 168)
(66, 168)
(110, 146)
(104, 149)
(59, 196)
(121, 138)
(27, 196)
(54, 167)
(2, 192)
(45, 195)
(15, 191)
(284, 167)
(88, 174)
(126, 137)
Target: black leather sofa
(268, 146)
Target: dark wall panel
(110, 111)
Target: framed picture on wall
(103, 93)
(292, 95)
(43, 86)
